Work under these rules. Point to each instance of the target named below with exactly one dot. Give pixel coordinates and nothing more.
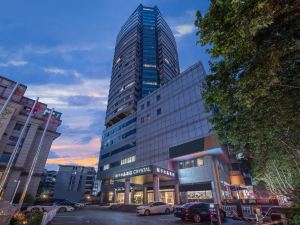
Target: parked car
(43, 208)
(197, 212)
(154, 208)
(70, 203)
(279, 215)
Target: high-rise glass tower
(145, 58)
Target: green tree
(253, 89)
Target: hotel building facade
(162, 147)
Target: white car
(79, 205)
(154, 208)
(43, 208)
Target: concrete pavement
(101, 216)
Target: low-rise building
(47, 183)
(73, 183)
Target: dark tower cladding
(158, 144)
(145, 58)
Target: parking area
(101, 216)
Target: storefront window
(150, 197)
(138, 198)
(110, 196)
(120, 197)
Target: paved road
(98, 216)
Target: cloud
(55, 70)
(82, 100)
(14, 62)
(79, 47)
(184, 29)
(63, 96)
(94, 144)
(83, 104)
(61, 71)
(68, 153)
(52, 155)
(92, 161)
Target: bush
(28, 219)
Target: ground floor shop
(151, 183)
(142, 185)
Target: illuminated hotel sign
(134, 172)
(144, 170)
(165, 172)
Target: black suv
(197, 212)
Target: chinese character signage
(144, 170)
(134, 172)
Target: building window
(118, 60)
(130, 159)
(18, 126)
(148, 117)
(106, 167)
(148, 103)
(191, 163)
(199, 162)
(158, 112)
(142, 107)
(149, 83)
(149, 65)
(110, 196)
(142, 119)
(5, 157)
(157, 97)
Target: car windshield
(148, 204)
(187, 205)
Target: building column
(156, 187)
(145, 195)
(132, 195)
(127, 191)
(215, 183)
(115, 196)
(177, 196)
(101, 197)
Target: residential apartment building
(11, 125)
(73, 183)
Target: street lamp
(44, 196)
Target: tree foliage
(253, 89)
